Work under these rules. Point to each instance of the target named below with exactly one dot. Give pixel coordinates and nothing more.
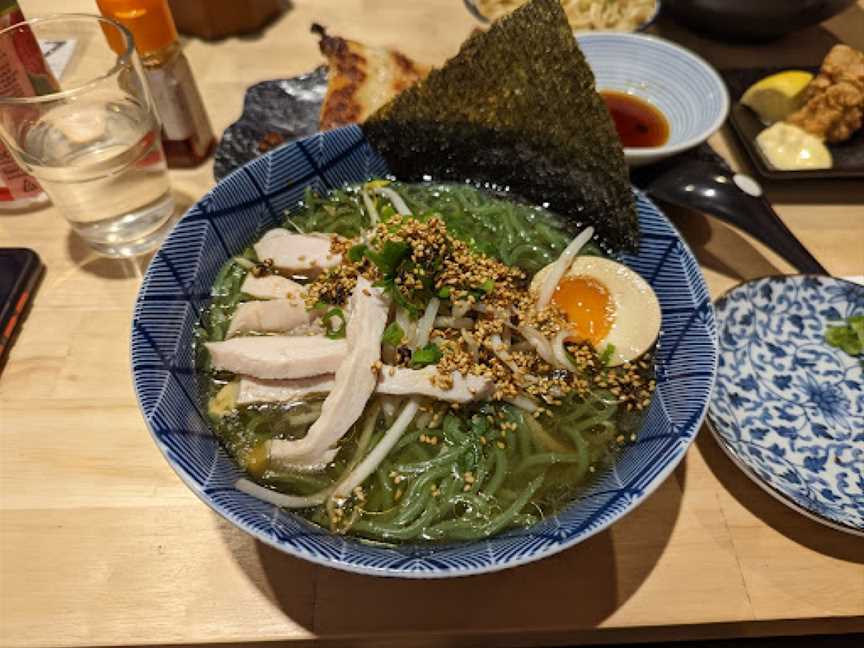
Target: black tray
(848, 156)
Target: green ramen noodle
(417, 362)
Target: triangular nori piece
(516, 108)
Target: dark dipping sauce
(639, 124)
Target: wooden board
(101, 544)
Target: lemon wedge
(777, 96)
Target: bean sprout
(560, 267)
(561, 356)
(540, 344)
(425, 324)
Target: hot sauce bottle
(187, 136)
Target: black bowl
(753, 20)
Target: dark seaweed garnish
(517, 108)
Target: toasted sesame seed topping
(437, 262)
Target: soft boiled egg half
(607, 303)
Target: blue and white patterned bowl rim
(711, 103)
(251, 200)
(727, 438)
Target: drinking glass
(92, 139)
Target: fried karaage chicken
(834, 106)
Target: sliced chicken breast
(256, 390)
(298, 253)
(272, 287)
(402, 382)
(278, 356)
(273, 316)
(354, 382)
(418, 382)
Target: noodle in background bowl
(251, 200)
(596, 14)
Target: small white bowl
(686, 89)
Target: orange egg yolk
(588, 306)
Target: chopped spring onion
(393, 334)
(390, 256)
(356, 253)
(428, 355)
(607, 354)
(332, 331)
(487, 286)
(387, 259)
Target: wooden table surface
(101, 544)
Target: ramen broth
(457, 473)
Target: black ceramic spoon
(701, 180)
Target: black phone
(20, 271)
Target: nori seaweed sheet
(516, 108)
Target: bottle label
(170, 103)
(179, 105)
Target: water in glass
(102, 161)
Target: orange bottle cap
(150, 22)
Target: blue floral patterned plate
(787, 407)
(253, 199)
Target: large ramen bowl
(251, 200)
